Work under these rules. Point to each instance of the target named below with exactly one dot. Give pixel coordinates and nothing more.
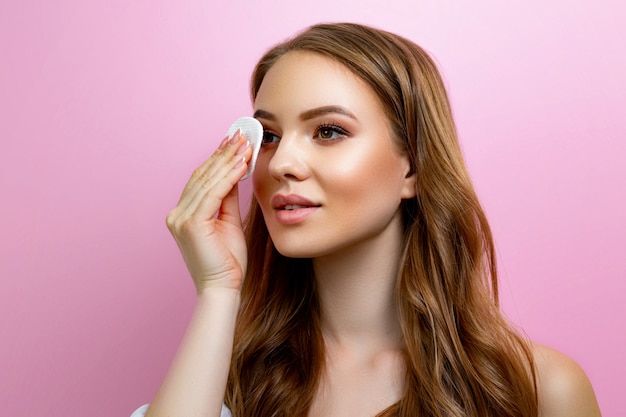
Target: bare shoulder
(563, 387)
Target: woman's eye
(329, 133)
(269, 137)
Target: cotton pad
(252, 130)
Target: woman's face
(328, 177)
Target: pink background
(107, 106)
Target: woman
(370, 283)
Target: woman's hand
(206, 223)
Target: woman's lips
(292, 208)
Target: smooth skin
(564, 389)
(355, 257)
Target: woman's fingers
(208, 169)
(208, 199)
(219, 162)
(212, 181)
(229, 211)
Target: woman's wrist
(218, 298)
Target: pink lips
(292, 208)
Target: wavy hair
(462, 357)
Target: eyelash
(332, 127)
(268, 133)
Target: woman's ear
(409, 185)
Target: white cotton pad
(252, 130)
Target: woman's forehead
(300, 81)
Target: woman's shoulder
(562, 385)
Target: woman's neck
(357, 288)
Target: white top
(141, 411)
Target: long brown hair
(462, 357)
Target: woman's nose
(289, 159)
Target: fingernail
(235, 137)
(243, 148)
(224, 142)
(239, 163)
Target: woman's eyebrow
(320, 111)
(262, 114)
(309, 114)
